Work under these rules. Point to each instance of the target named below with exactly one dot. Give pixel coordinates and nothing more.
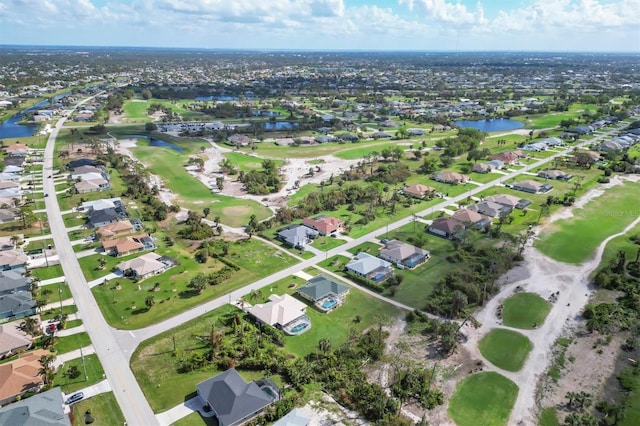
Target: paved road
(135, 408)
(129, 340)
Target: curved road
(114, 347)
(134, 405)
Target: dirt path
(544, 276)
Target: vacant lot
(483, 399)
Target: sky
(431, 25)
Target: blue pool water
(157, 142)
(329, 303)
(279, 125)
(298, 328)
(378, 277)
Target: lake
(157, 142)
(494, 125)
(11, 129)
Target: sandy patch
(236, 210)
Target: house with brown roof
(127, 245)
(93, 185)
(116, 229)
(452, 178)
(146, 265)
(555, 174)
(470, 217)
(508, 158)
(418, 190)
(509, 201)
(403, 254)
(325, 225)
(11, 259)
(13, 339)
(532, 187)
(446, 227)
(17, 148)
(21, 376)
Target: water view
(157, 142)
(11, 129)
(493, 125)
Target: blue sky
(458, 25)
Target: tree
(30, 326)
(206, 211)
(150, 301)
(46, 370)
(151, 127)
(198, 283)
(72, 372)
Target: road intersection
(115, 347)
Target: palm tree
(255, 295)
(150, 301)
(15, 240)
(30, 325)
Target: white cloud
(446, 12)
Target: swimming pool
(329, 304)
(299, 328)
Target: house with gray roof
(17, 305)
(532, 187)
(325, 293)
(297, 236)
(235, 401)
(489, 208)
(100, 218)
(370, 267)
(12, 282)
(403, 254)
(296, 417)
(42, 409)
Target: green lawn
(483, 399)
(195, 419)
(327, 243)
(72, 343)
(548, 417)
(104, 408)
(522, 310)
(505, 349)
(53, 271)
(95, 374)
(574, 240)
(246, 162)
(191, 193)
(255, 258)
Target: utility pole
(44, 250)
(84, 366)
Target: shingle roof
(363, 263)
(231, 397)
(279, 310)
(398, 251)
(43, 409)
(320, 286)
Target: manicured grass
(46, 273)
(71, 343)
(505, 349)
(483, 399)
(255, 259)
(104, 408)
(523, 310)
(52, 313)
(574, 240)
(95, 374)
(73, 323)
(548, 417)
(247, 162)
(367, 247)
(327, 243)
(195, 419)
(194, 195)
(359, 312)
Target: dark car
(75, 397)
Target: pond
(493, 125)
(157, 142)
(11, 129)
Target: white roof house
(279, 310)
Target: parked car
(75, 397)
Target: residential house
(295, 417)
(403, 254)
(495, 164)
(89, 172)
(17, 149)
(555, 174)
(106, 203)
(238, 139)
(126, 245)
(415, 132)
(7, 243)
(6, 184)
(146, 265)
(532, 187)
(7, 215)
(17, 305)
(12, 260)
(508, 158)
(115, 229)
(418, 190)
(481, 168)
(100, 218)
(370, 267)
(43, 409)
(489, 208)
(234, 401)
(283, 312)
(93, 185)
(13, 339)
(11, 177)
(509, 201)
(74, 164)
(12, 282)
(471, 218)
(21, 376)
(325, 293)
(297, 236)
(451, 178)
(325, 225)
(446, 227)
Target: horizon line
(313, 50)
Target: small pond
(493, 125)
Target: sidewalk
(70, 331)
(98, 281)
(174, 414)
(52, 281)
(62, 358)
(56, 305)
